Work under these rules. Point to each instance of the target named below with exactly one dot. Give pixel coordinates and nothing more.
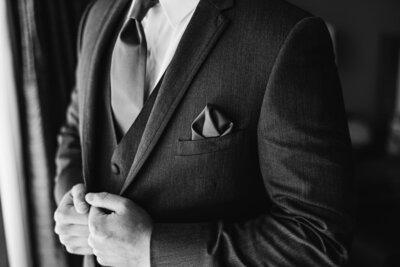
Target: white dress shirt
(164, 26)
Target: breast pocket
(210, 145)
(211, 170)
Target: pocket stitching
(187, 148)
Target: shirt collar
(177, 10)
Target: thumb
(107, 201)
(78, 197)
(95, 214)
(96, 220)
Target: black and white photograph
(199, 133)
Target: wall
(361, 26)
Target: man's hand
(120, 231)
(71, 219)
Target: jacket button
(115, 168)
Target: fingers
(76, 245)
(74, 238)
(96, 213)
(108, 201)
(73, 241)
(71, 219)
(104, 255)
(104, 260)
(66, 212)
(72, 230)
(67, 200)
(78, 193)
(68, 215)
(80, 251)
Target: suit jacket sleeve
(305, 160)
(68, 157)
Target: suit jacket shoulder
(265, 15)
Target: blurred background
(37, 60)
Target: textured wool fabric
(276, 191)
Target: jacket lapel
(203, 31)
(105, 16)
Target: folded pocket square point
(211, 123)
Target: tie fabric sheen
(128, 68)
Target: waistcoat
(113, 155)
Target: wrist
(147, 247)
(143, 251)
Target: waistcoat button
(115, 168)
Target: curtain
(45, 53)
(3, 251)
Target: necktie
(128, 68)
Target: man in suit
(204, 133)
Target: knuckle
(56, 215)
(75, 250)
(101, 261)
(62, 229)
(59, 215)
(79, 251)
(58, 229)
(70, 249)
(64, 239)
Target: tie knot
(141, 7)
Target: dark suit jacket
(275, 192)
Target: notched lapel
(203, 31)
(104, 18)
